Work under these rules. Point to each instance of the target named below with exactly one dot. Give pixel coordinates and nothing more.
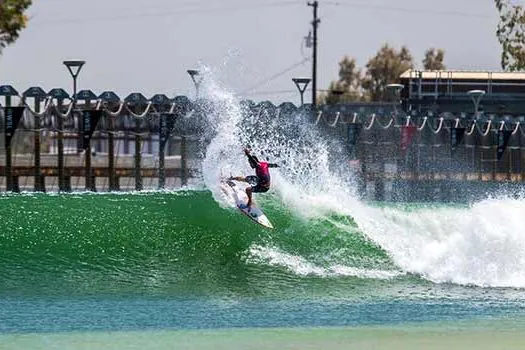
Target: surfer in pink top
(261, 181)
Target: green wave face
(179, 243)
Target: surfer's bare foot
(244, 207)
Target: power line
(275, 76)
(271, 92)
(405, 9)
(274, 92)
(203, 9)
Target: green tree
(385, 68)
(434, 59)
(511, 35)
(12, 20)
(348, 87)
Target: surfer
(261, 179)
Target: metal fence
(400, 154)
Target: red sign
(407, 134)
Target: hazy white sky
(147, 45)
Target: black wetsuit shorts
(258, 184)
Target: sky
(252, 48)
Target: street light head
(301, 83)
(74, 66)
(193, 72)
(395, 87)
(476, 96)
(476, 93)
(74, 63)
(301, 80)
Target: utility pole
(315, 23)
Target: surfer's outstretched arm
(251, 159)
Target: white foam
(301, 266)
(482, 245)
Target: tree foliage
(348, 87)
(385, 68)
(434, 59)
(382, 69)
(12, 20)
(511, 35)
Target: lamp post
(476, 96)
(74, 67)
(197, 80)
(301, 84)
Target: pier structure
(443, 135)
(51, 141)
(438, 135)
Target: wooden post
(364, 167)
(90, 186)
(162, 170)
(183, 161)
(62, 186)
(138, 158)
(509, 165)
(418, 162)
(433, 168)
(8, 157)
(495, 160)
(478, 154)
(89, 181)
(520, 158)
(162, 147)
(39, 178)
(111, 154)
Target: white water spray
(302, 153)
(221, 156)
(483, 244)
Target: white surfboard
(238, 195)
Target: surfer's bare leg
(249, 194)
